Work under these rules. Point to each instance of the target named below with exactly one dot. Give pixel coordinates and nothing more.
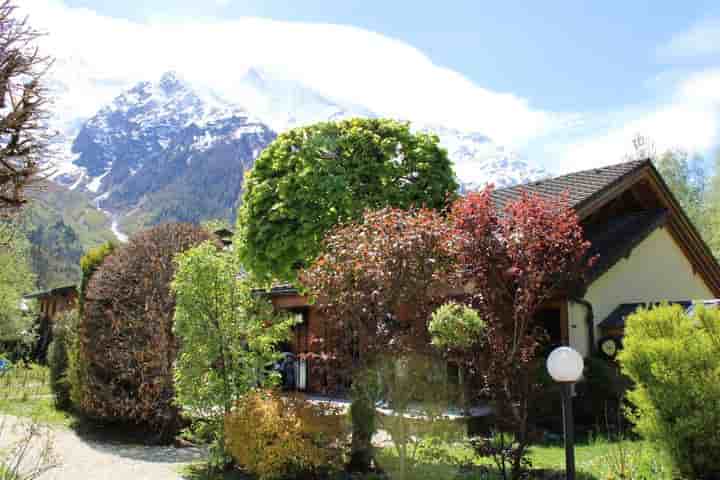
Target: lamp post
(565, 366)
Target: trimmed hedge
(126, 340)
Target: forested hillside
(59, 225)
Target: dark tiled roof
(580, 186)
(616, 319)
(277, 290)
(616, 238)
(52, 292)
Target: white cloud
(700, 40)
(99, 56)
(690, 120)
(346, 63)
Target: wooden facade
(52, 303)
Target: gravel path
(81, 458)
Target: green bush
(63, 331)
(674, 360)
(90, 262)
(456, 326)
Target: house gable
(656, 270)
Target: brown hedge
(126, 337)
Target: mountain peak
(171, 82)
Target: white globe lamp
(565, 366)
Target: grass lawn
(596, 460)
(25, 392)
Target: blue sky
(578, 78)
(565, 55)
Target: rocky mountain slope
(168, 151)
(162, 152)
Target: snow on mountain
(157, 144)
(479, 161)
(166, 151)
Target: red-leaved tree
(516, 259)
(376, 284)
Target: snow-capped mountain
(479, 161)
(163, 151)
(169, 150)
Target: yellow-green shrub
(674, 360)
(274, 436)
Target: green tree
(311, 178)
(16, 279)
(688, 181)
(712, 209)
(674, 360)
(228, 335)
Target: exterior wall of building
(656, 270)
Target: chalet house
(52, 303)
(648, 251)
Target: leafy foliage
(228, 335)
(56, 253)
(311, 178)
(16, 279)
(64, 329)
(89, 263)
(456, 326)
(277, 437)
(126, 330)
(377, 282)
(504, 450)
(515, 261)
(674, 360)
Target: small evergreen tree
(227, 335)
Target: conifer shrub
(674, 360)
(89, 263)
(126, 343)
(276, 437)
(61, 347)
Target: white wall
(656, 270)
